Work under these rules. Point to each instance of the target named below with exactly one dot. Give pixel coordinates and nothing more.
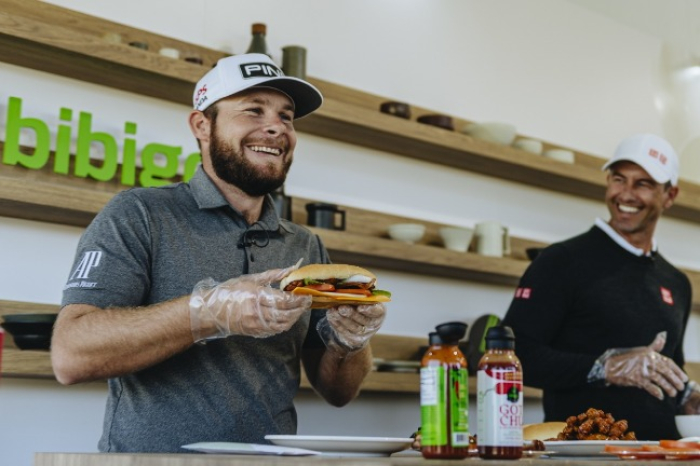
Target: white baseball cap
(237, 73)
(653, 153)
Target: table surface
(402, 459)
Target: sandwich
(335, 284)
(543, 431)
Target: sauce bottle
(444, 395)
(499, 398)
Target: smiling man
(179, 313)
(600, 318)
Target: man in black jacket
(600, 317)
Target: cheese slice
(341, 296)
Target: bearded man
(170, 297)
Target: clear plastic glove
(349, 328)
(643, 367)
(246, 305)
(690, 402)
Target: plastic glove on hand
(644, 367)
(246, 305)
(351, 327)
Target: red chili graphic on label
(505, 387)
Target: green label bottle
(444, 398)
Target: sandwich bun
(325, 271)
(543, 430)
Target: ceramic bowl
(498, 133)
(30, 331)
(561, 155)
(529, 145)
(456, 238)
(441, 121)
(399, 109)
(407, 232)
(688, 425)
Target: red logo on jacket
(666, 296)
(523, 293)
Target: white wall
(557, 71)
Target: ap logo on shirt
(78, 278)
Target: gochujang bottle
(499, 399)
(444, 395)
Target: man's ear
(199, 125)
(671, 194)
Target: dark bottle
(258, 44)
(499, 399)
(444, 395)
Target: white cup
(562, 155)
(492, 239)
(456, 238)
(529, 145)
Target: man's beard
(232, 166)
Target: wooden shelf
(49, 38)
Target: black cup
(325, 216)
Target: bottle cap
(434, 339)
(451, 332)
(500, 336)
(259, 28)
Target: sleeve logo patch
(79, 277)
(666, 296)
(523, 293)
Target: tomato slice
(679, 445)
(619, 449)
(361, 291)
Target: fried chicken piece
(601, 425)
(618, 429)
(586, 428)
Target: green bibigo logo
(149, 173)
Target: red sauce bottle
(445, 395)
(500, 397)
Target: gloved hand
(643, 367)
(246, 305)
(690, 402)
(349, 328)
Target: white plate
(247, 449)
(343, 446)
(590, 447)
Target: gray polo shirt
(150, 245)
